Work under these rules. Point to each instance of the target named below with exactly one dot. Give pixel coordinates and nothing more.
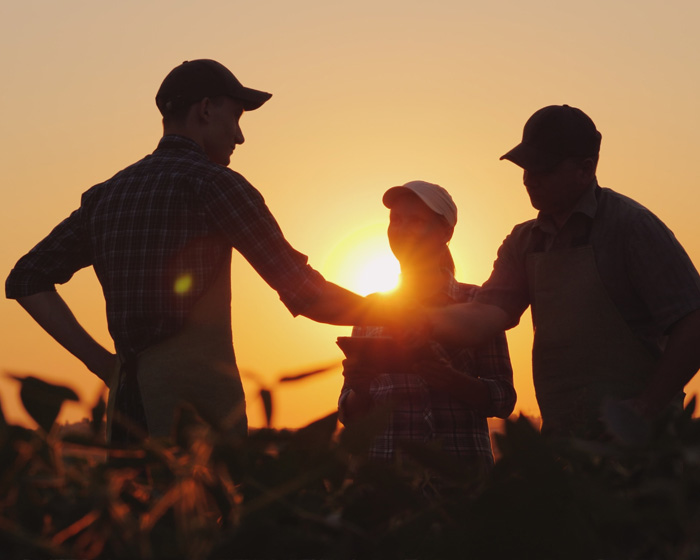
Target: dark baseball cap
(551, 135)
(194, 80)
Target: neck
(423, 281)
(184, 130)
(560, 219)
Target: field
(308, 494)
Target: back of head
(194, 80)
(553, 134)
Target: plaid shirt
(420, 413)
(157, 233)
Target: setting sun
(363, 262)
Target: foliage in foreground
(304, 494)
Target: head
(421, 223)
(203, 100)
(559, 155)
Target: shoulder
(226, 179)
(614, 205)
(521, 235)
(518, 244)
(625, 215)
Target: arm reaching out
(338, 306)
(55, 317)
(470, 324)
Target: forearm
(470, 324)
(679, 363)
(50, 311)
(338, 306)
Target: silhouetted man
(615, 299)
(159, 235)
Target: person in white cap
(444, 393)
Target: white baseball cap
(433, 196)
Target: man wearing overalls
(615, 298)
(159, 235)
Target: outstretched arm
(469, 324)
(55, 317)
(338, 306)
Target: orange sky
(367, 95)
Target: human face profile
(556, 191)
(223, 132)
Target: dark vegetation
(304, 494)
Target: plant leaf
(266, 397)
(42, 400)
(304, 375)
(98, 416)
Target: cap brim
(394, 193)
(531, 159)
(252, 99)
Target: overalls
(197, 365)
(583, 349)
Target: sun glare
(363, 262)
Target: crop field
(308, 493)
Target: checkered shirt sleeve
(157, 234)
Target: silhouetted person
(159, 235)
(443, 395)
(615, 299)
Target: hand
(105, 366)
(357, 376)
(354, 406)
(412, 329)
(440, 375)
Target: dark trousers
(129, 425)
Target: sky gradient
(366, 95)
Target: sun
(363, 262)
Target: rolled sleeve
(662, 272)
(507, 287)
(495, 370)
(52, 261)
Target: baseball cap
(194, 80)
(434, 196)
(551, 135)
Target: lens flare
(183, 284)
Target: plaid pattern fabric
(420, 413)
(157, 233)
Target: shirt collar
(177, 142)
(587, 205)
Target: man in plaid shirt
(159, 235)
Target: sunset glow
(366, 95)
(363, 262)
